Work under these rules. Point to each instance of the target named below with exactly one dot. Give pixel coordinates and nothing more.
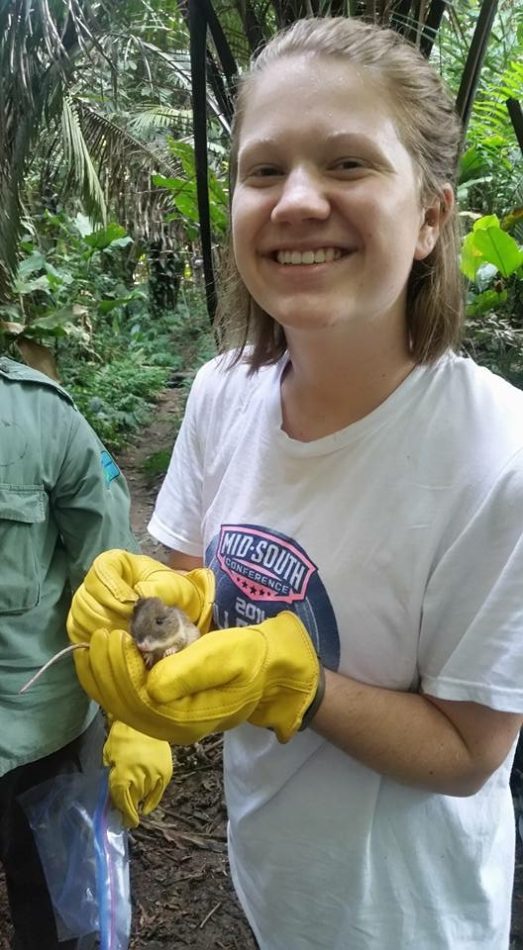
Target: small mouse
(159, 630)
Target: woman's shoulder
(478, 393)
(231, 373)
(477, 416)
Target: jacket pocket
(23, 512)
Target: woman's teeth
(321, 256)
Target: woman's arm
(443, 746)
(183, 562)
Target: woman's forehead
(292, 95)
(329, 82)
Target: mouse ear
(139, 604)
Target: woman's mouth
(323, 255)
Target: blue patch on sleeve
(109, 466)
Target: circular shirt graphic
(259, 573)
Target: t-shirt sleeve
(177, 518)
(471, 639)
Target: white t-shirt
(399, 543)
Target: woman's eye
(348, 164)
(264, 171)
(258, 172)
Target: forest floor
(181, 890)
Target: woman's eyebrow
(331, 138)
(352, 140)
(254, 144)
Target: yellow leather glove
(140, 771)
(268, 674)
(115, 581)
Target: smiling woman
(313, 216)
(349, 493)
(388, 100)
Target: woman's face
(326, 217)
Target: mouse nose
(145, 646)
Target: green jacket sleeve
(90, 501)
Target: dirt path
(158, 437)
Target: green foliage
(66, 276)
(493, 137)
(494, 341)
(493, 262)
(116, 398)
(157, 463)
(116, 392)
(491, 180)
(39, 42)
(119, 145)
(490, 192)
(184, 196)
(192, 333)
(487, 243)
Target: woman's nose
(302, 196)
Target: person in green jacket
(63, 500)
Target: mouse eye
(159, 621)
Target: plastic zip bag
(83, 848)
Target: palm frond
(38, 42)
(490, 110)
(125, 166)
(180, 64)
(80, 163)
(161, 117)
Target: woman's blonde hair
(430, 130)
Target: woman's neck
(326, 386)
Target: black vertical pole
(516, 117)
(478, 49)
(198, 51)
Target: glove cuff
(292, 676)
(310, 713)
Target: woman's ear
(434, 216)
